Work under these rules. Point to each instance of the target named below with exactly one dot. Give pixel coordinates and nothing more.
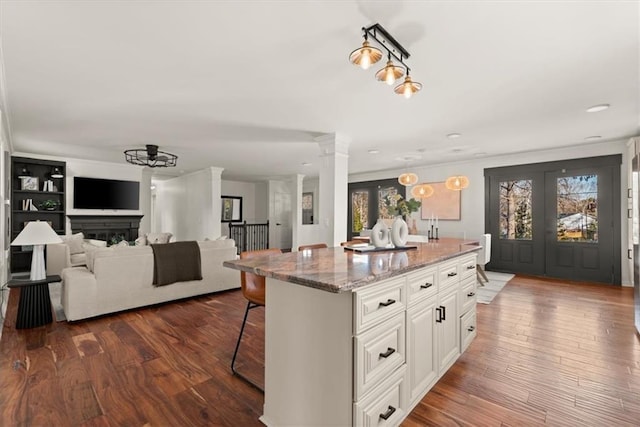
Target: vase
(399, 232)
(414, 228)
(380, 234)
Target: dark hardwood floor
(547, 352)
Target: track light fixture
(367, 55)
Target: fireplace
(106, 227)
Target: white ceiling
(248, 85)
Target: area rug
(55, 292)
(485, 294)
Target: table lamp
(38, 234)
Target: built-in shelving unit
(28, 178)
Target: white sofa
(121, 278)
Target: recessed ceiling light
(306, 164)
(591, 138)
(153, 187)
(454, 135)
(596, 108)
(374, 151)
(480, 154)
(457, 150)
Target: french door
(558, 219)
(367, 204)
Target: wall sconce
(457, 182)
(367, 55)
(56, 172)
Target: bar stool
(312, 246)
(253, 289)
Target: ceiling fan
(150, 156)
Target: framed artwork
(444, 204)
(231, 209)
(29, 183)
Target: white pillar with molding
(334, 171)
(296, 215)
(216, 201)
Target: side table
(34, 306)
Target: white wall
(246, 190)
(472, 203)
(187, 206)
(5, 198)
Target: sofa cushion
(158, 238)
(142, 241)
(78, 259)
(74, 242)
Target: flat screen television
(96, 193)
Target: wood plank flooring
(547, 353)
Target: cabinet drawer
(378, 352)
(467, 329)
(378, 303)
(421, 284)
(386, 405)
(467, 294)
(448, 275)
(467, 267)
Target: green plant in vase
(398, 205)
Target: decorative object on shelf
(367, 55)
(38, 234)
(457, 182)
(444, 203)
(29, 183)
(48, 186)
(150, 156)
(422, 191)
(380, 234)
(49, 205)
(399, 232)
(56, 172)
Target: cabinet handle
(444, 312)
(452, 274)
(389, 412)
(438, 315)
(470, 294)
(471, 328)
(387, 353)
(470, 267)
(426, 285)
(388, 303)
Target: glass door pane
(359, 210)
(516, 209)
(577, 212)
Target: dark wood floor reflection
(547, 352)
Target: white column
(216, 202)
(334, 170)
(145, 201)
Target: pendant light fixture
(408, 178)
(408, 87)
(150, 156)
(367, 55)
(457, 182)
(422, 191)
(390, 73)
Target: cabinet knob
(426, 285)
(387, 353)
(389, 412)
(471, 328)
(471, 294)
(388, 303)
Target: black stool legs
(250, 305)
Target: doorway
(558, 219)
(367, 203)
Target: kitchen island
(359, 338)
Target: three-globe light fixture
(367, 55)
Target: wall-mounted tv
(95, 193)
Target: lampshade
(365, 55)
(390, 73)
(422, 191)
(36, 233)
(56, 172)
(408, 179)
(408, 87)
(457, 182)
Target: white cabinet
(448, 330)
(422, 349)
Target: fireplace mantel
(105, 227)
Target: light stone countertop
(339, 270)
